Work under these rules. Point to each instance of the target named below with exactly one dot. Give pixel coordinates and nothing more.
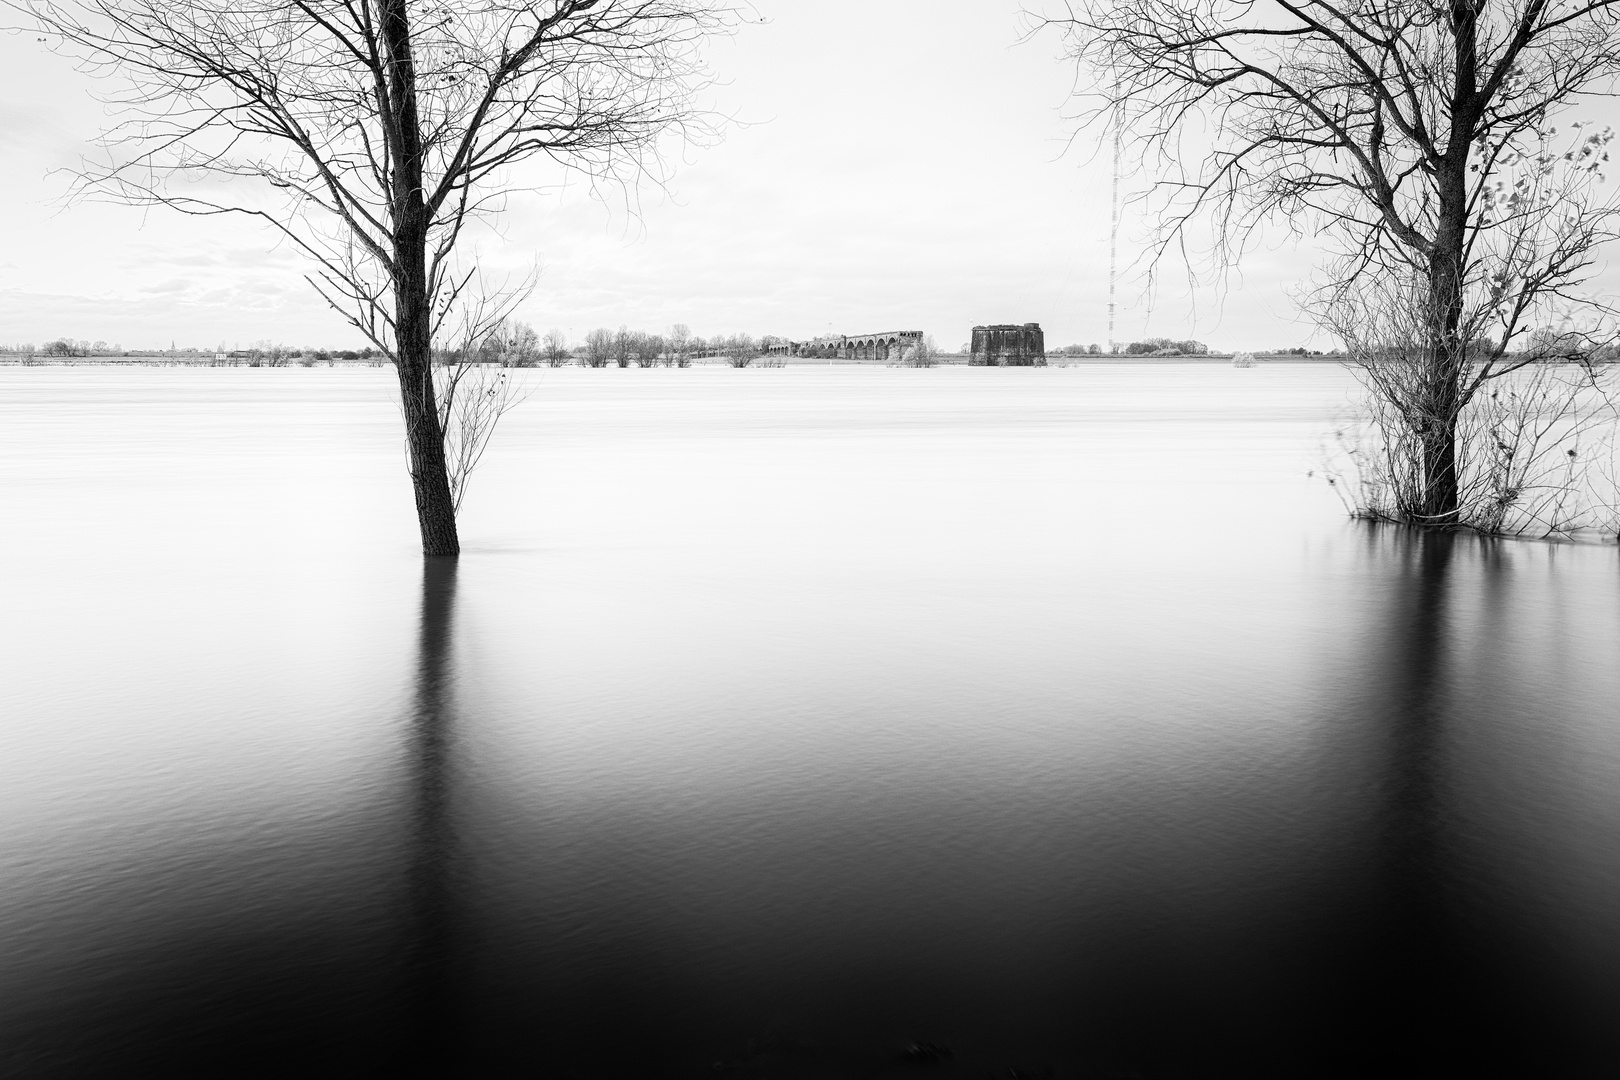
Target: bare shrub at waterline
(1527, 426)
(554, 347)
(472, 399)
(679, 342)
(598, 348)
(925, 354)
(1535, 451)
(740, 350)
(472, 389)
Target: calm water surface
(805, 722)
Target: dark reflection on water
(1338, 915)
(432, 1023)
(1405, 977)
(1357, 907)
(275, 949)
(1422, 965)
(1434, 966)
(913, 788)
(1181, 917)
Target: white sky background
(901, 165)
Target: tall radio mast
(1113, 231)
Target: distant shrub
(1166, 347)
(598, 349)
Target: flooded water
(813, 722)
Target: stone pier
(1009, 345)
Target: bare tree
(646, 348)
(1416, 135)
(554, 347)
(384, 128)
(598, 347)
(924, 354)
(740, 350)
(679, 340)
(522, 346)
(509, 344)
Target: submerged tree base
(1535, 457)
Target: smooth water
(835, 722)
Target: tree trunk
(1441, 397)
(1439, 401)
(424, 441)
(1442, 401)
(1441, 493)
(413, 331)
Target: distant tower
(1113, 231)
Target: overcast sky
(899, 164)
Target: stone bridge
(890, 346)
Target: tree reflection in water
(1415, 988)
(1454, 966)
(428, 1045)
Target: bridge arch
(886, 345)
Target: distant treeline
(262, 354)
(1160, 346)
(1150, 347)
(509, 344)
(517, 344)
(65, 347)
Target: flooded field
(815, 721)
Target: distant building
(1009, 345)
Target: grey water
(795, 722)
